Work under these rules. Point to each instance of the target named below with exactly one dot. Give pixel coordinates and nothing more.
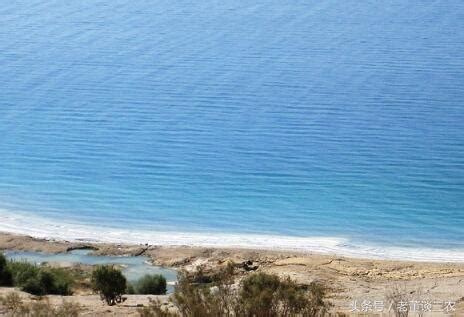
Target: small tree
(6, 279)
(109, 283)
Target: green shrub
(40, 280)
(63, 280)
(6, 279)
(22, 271)
(32, 286)
(151, 284)
(109, 283)
(130, 289)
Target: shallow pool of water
(134, 267)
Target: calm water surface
(133, 267)
(309, 118)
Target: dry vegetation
(257, 295)
(16, 307)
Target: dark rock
(249, 266)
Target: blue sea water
(338, 119)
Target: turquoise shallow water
(133, 267)
(235, 119)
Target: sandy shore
(349, 279)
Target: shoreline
(349, 278)
(44, 228)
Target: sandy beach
(351, 281)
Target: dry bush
(12, 302)
(16, 307)
(157, 309)
(265, 295)
(258, 295)
(396, 297)
(404, 302)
